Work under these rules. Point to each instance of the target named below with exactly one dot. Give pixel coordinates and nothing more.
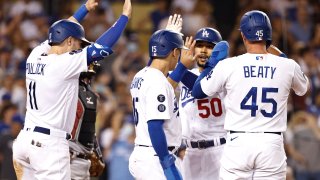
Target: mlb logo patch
(259, 57)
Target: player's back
(153, 98)
(201, 118)
(52, 87)
(258, 86)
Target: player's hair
(208, 34)
(255, 26)
(162, 42)
(62, 29)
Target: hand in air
(91, 5)
(127, 8)
(175, 23)
(187, 58)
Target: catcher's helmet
(93, 69)
(162, 42)
(255, 26)
(208, 34)
(62, 29)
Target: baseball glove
(97, 165)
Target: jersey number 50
(264, 99)
(214, 105)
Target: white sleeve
(214, 81)
(73, 63)
(300, 82)
(157, 102)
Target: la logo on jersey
(205, 33)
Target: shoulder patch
(161, 98)
(161, 108)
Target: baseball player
(52, 75)
(155, 110)
(258, 85)
(84, 148)
(202, 119)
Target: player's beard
(201, 60)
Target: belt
(50, 132)
(231, 132)
(203, 144)
(170, 148)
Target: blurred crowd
(24, 24)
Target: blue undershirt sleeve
(189, 79)
(196, 90)
(81, 13)
(102, 47)
(158, 138)
(111, 36)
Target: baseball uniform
(258, 86)
(202, 132)
(52, 95)
(153, 98)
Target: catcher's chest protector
(86, 116)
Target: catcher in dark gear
(86, 157)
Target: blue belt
(46, 131)
(203, 144)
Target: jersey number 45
(253, 107)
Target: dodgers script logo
(185, 96)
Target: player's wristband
(167, 161)
(81, 13)
(178, 72)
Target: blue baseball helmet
(255, 26)
(162, 42)
(208, 34)
(62, 29)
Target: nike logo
(234, 138)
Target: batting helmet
(162, 42)
(61, 30)
(255, 26)
(208, 34)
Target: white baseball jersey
(258, 86)
(153, 98)
(52, 87)
(201, 118)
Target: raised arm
(79, 15)
(102, 47)
(219, 52)
(111, 36)
(186, 61)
